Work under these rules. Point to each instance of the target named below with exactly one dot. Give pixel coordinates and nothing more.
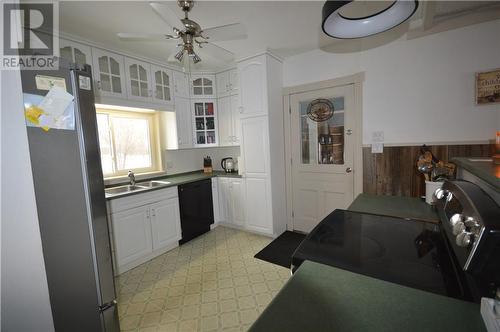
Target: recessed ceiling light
(337, 25)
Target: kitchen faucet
(131, 176)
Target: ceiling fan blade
(217, 52)
(132, 36)
(166, 14)
(225, 32)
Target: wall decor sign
(320, 110)
(488, 87)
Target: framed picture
(488, 87)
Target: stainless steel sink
(153, 184)
(125, 189)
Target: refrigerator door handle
(108, 305)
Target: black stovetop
(409, 253)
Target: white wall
(25, 297)
(180, 161)
(416, 91)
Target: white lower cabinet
(132, 235)
(232, 201)
(143, 226)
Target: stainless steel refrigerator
(69, 190)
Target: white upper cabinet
(253, 87)
(162, 84)
(227, 83)
(184, 123)
(75, 52)
(109, 73)
(229, 120)
(203, 86)
(181, 84)
(138, 75)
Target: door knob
(349, 131)
(348, 170)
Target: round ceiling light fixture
(337, 25)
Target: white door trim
(357, 81)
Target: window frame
(154, 140)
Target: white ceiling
(284, 27)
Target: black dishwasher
(196, 206)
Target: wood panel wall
(394, 171)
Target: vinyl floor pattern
(212, 283)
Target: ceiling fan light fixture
(338, 26)
(180, 55)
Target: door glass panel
(166, 93)
(105, 82)
(198, 109)
(197, 82)
(115, 67)
(144, 89)
(158, 92)
(208, 90)
(66, 53)
(80, 57)
(158, 77)
(117, 87)
(134, 88)
(166, 80)
(103, 64)
(322, 142)
(133, 72)
(198, 90)
(200, 137)
(142, 74)
(206, 82)
(210, 137)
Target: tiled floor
(212, 283)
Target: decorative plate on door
(320, 110)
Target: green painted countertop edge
(324, 298)
(485, 172)
(176, 180)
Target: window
(128, 141)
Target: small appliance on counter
(227, 165)
(207, 165)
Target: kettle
(227, 164)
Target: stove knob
(464, 239)
(440, 193)
(458, 228)
(449, 197)
(471, 222)
(456, 218)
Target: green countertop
(394, 206)
(483, 168)
(323, 298)
(175, 180)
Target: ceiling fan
(191, 34)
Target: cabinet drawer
(132, 201)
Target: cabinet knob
(348, 170)
(240, 108)
(153, 212)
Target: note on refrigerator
(54, 110)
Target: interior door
(322, 154)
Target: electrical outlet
(377, 147)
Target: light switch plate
(378, 136)
(377, 147)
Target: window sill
(138, 176)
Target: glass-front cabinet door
(203, 86)
(109, 73)
(205, 123)
(162, 84)
(138, 79)
(75, 52)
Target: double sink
(140, 186)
